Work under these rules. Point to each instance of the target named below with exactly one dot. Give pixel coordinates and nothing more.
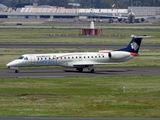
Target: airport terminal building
(51, 12)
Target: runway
(71, 72)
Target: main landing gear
(92, 71)
(81, 70)
(16, 71)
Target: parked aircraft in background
(129, 18)
(132, 18)
(80, 60)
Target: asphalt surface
(55, 45)
(71, 72)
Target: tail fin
(135, 44)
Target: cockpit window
(21, 57)
(26, 58)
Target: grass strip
(81, 97)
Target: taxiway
(71, 72)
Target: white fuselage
(84, 59)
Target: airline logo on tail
(134, 46)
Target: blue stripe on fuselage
(46, 62)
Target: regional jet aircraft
(80, 60)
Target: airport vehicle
(80, 60)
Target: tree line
(86, 3)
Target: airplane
(132, 18)
(80, 60)
(129, 18)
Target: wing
(145, 17)
(89, 63)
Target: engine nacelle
(118, 55)
(142, 19)
(120, 19)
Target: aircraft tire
(92, 71)
(16, 71)
(80, 69)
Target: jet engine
(120, 19)
(118, 55)
(142, 19)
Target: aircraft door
(32, 57)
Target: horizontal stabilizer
(140, 36)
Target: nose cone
(8, 65)
(14, 63)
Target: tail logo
(134, 46)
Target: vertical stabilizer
(135, 44)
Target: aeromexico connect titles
(80, 60)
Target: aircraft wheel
(92, 71)
(16, 71)
(80, 69)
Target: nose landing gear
(14, 68)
